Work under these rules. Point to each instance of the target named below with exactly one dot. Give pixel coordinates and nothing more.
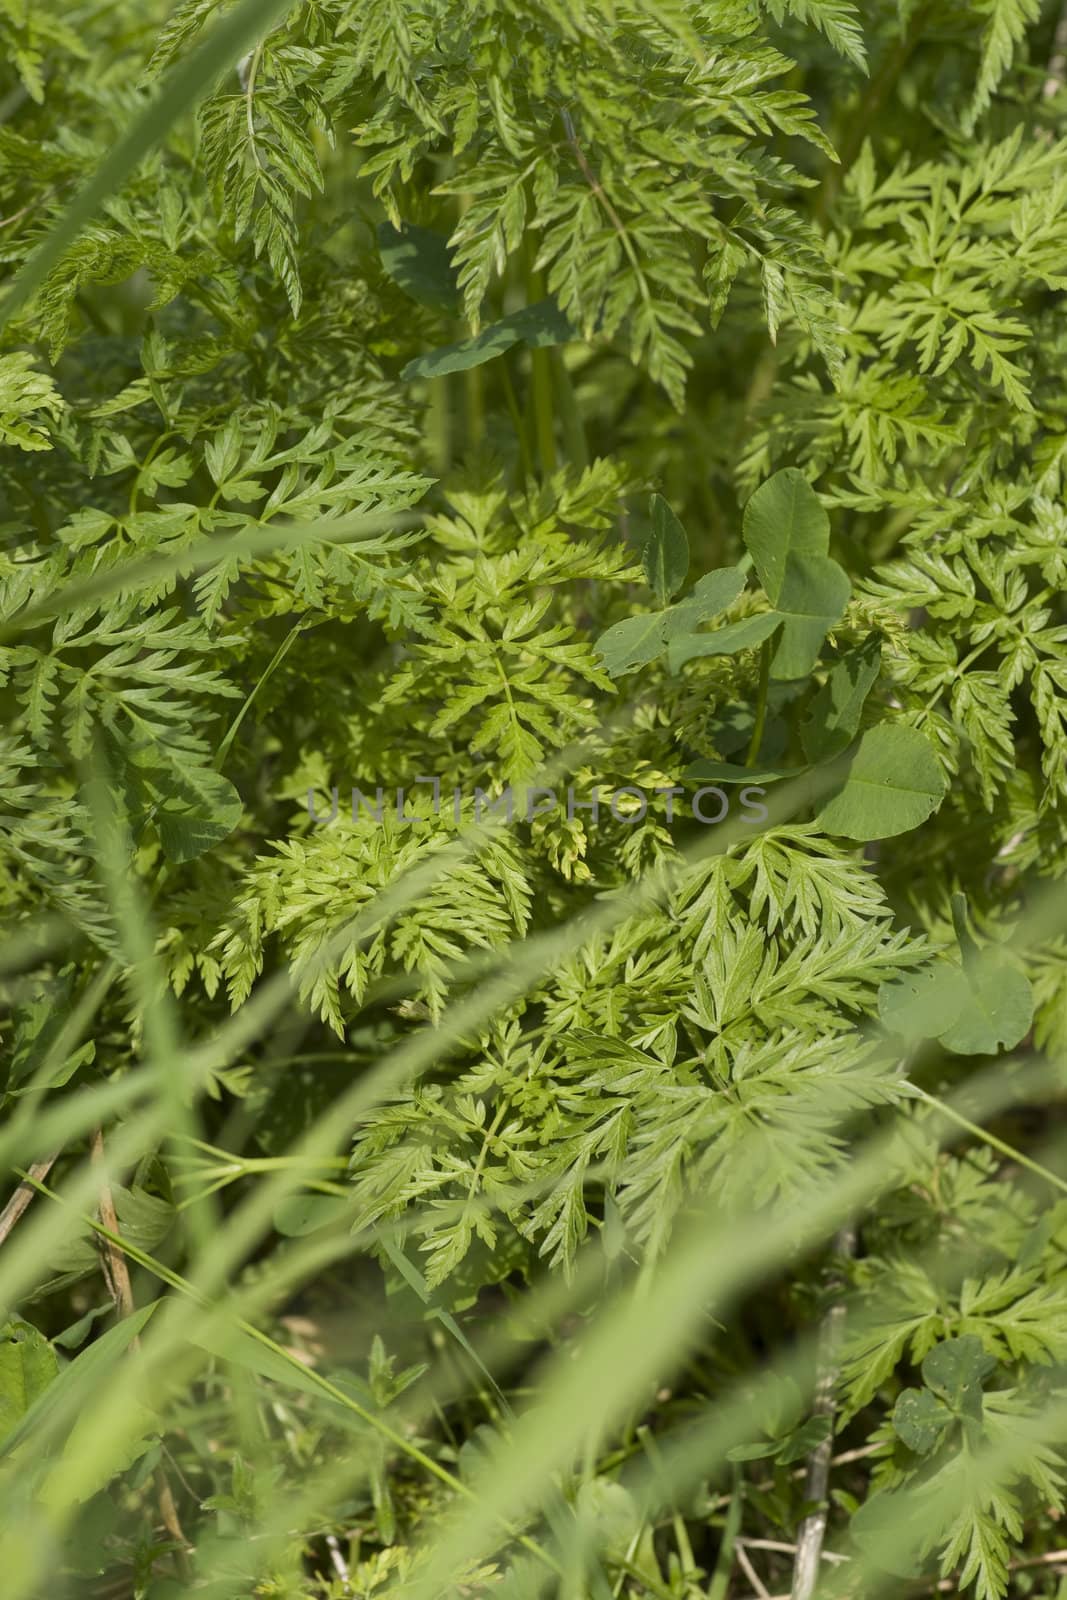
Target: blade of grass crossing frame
(187, 83)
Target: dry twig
(813, 1528)
(24, 1194)
(762, 1592)
(117, 1274)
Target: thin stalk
(275, 662)
(761, 703)
(544, 416)
(541, 376)
(473, 378)
(475, 398)
(512, 400)
(570, 415)
(438, 423)
(720, 1579)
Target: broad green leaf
(199, 813)
(971, 1009)
(787, 533)
(783, 517)
(834, 715)
(922, 1004)
(81, 1377)
(307, 1213)
(999, 1008)
(73, 1337)
(538, 325)
(753, 1452)
(666, 554)
(418, 261)
(38, 1028)
(892, 783)
(888, 1532)
(955, 1370)
(465, 353)
(144, 1219)
(193, 807)
(542, 325)
(730, 772)
(631, 643)
(729, 641)
(803, 1440)
(27, 1366)
(920, 1419)
(811, 597)
(91, 1457)
(611, 1511)
(711, 595)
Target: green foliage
(534, 658)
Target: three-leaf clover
(952, 1374)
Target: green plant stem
(275, 662)
(681, 1533)
(544, 417)
(570, 414)
(473, 386)
(117, 1277)
(761, 703)
(439, 423)
(512, 401)
(990, 1139)
(720, 1582)
(541, 375)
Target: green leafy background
(656, 397)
